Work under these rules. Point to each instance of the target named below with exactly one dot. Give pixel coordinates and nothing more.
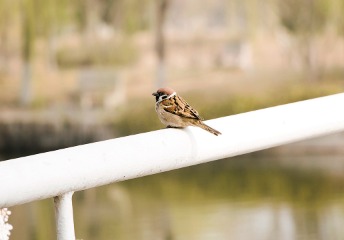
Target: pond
(254, 196)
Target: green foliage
(128, 15)
(8, 9)
(28, 29)
(303, 16)
(339, 16)
(52, 14)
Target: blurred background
(74, 72)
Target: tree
(28, 35)
(162, 6)
(304, 19)
(52, 16)
(7, 10)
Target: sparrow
(175, 112)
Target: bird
(174, 112)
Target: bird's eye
(164, 97)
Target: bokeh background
(74, 72)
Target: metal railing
(60, 173)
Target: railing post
(64, 216)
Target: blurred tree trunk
(305, 25)
(308, 57)
(5, 20)
(4, 53)
(51, 50)
(340, 30)
(48, 22)
(28, 38)
(52, 9)
(162, 6)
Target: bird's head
(163, 93)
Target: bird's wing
(178, 106)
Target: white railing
(59, 173)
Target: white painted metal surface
(73, 169)
(64, 217)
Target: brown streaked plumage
(174, 111)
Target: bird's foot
(169, 126)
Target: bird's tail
(207, 128)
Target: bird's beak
(155, 94)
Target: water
(251, 197)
